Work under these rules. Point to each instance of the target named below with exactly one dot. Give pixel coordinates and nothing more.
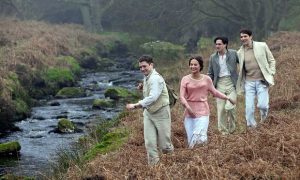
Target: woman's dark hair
(246, 31)
(223, 39)
(199, 59)
(146, 58)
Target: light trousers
(253, 89)
(226, 110)
(196, 130)
(157, 132)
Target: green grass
(66, 158)
(59, 75)
(19, 96)
(110, 142)
(72, 62)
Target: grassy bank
(269, 152)
(102, 139)
(38, 59)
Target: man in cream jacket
(257, 70)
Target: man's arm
(156, 85)
(271, 60)
(236, 57)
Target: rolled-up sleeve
(156, 85)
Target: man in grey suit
(222, 69)
(257, 72)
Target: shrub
(19, 97)
(22, 109)
(58, 77)
(71, 62)
(205, 43)
(163, 50)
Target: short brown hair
(199, 59)
(246, 31)
(146, 58)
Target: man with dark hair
(157, 116)
(257, 70)
(222, 69)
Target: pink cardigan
(194, 93)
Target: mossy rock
(117, 93)
(10, 148)
(70, 92)
(103, 103)
(65, 126)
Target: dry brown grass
(36, 44)
(272, 151)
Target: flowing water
(39, 145)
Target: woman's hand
(231, 100)
(191, 111)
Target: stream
(39, 147)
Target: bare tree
(262, 16)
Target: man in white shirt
(222, 69)
(157, 116)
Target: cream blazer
(265, 61)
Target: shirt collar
(249, 47)
(223, 54)
(147, 77)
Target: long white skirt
(196, 130)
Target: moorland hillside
(270, 151)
